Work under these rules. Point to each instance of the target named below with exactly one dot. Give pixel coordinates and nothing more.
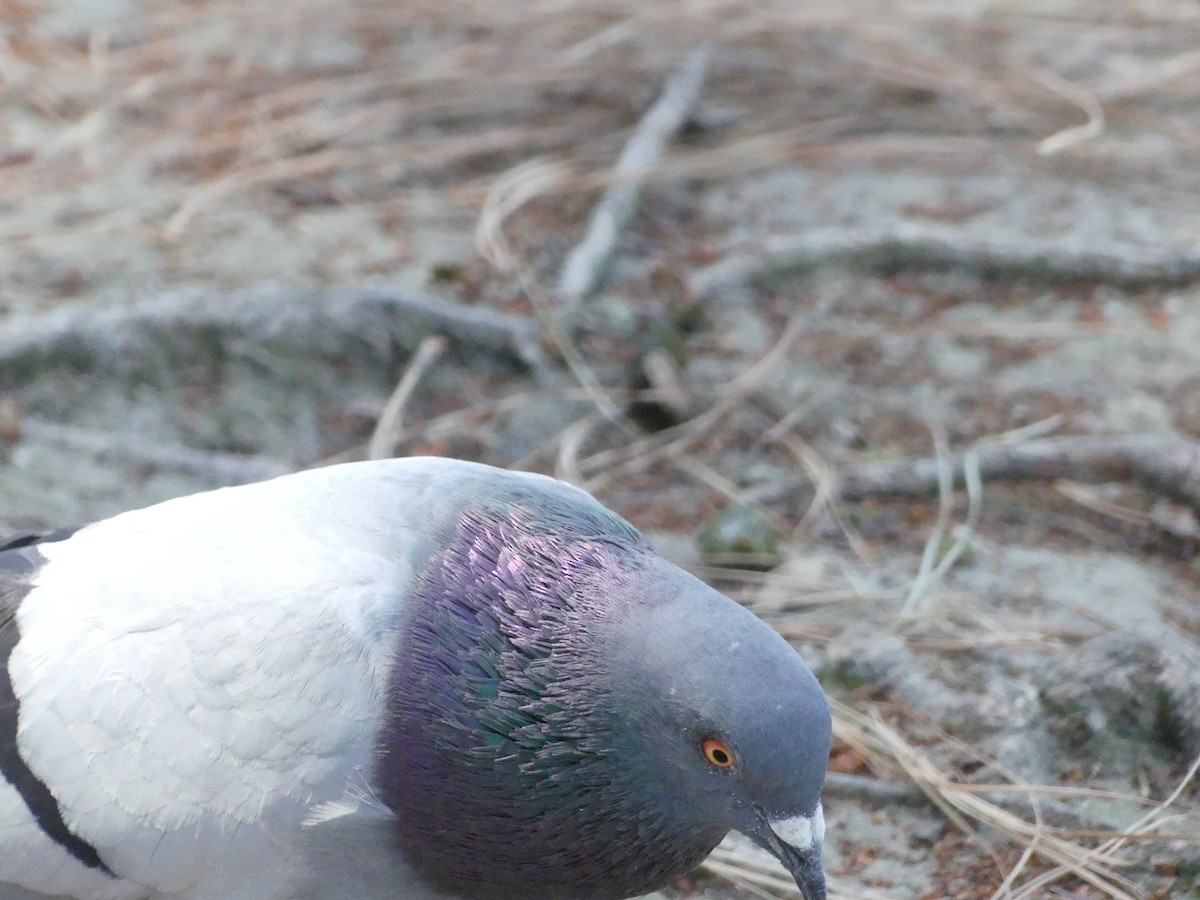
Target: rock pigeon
(406, 679)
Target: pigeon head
(569, 715)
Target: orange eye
(718, 753)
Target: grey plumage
(522, 699)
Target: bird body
(408, 679)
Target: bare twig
(925, 245)
(566, 466)
(756, 884)
(388, 432)
(135, 335)
(671, 443)
(1169, 465)
(871, 790)
(223, 468)
(507, 194)
(824, 481)
(1085, 100)
(585, 265)
(930, 571)
(761, 875)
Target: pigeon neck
(507, 757)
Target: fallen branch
(141, 335)
(1168, 465)
(221, 468)
(585, 265)
(920, 245)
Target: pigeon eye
(717, 752)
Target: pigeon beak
(796, 842)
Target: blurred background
(880, 316)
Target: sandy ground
(1004, 202)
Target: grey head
(570, 716)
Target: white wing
(194, 678)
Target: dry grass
(222, 103)
(1092, 857)
(366, 103)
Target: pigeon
(413, 679)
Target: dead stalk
(389, 430)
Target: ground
(884, 235)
